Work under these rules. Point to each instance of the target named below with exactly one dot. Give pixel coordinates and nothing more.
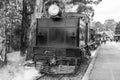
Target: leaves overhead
(83, 6)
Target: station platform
(107, 63)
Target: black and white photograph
(59, 40)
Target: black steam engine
(61, 41)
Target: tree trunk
(32, 31)
(23, 29)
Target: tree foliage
(97, 26)
(10, 18)
(110, 24)
(117, 28)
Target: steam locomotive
(61, 40)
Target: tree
(117, 28)
(10, 18)
(83, 6)
(97, 26)
(110, 24)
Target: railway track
(60, 77)
(48, 77)
(39, 78)
(79, 72)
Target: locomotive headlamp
(54, 10)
